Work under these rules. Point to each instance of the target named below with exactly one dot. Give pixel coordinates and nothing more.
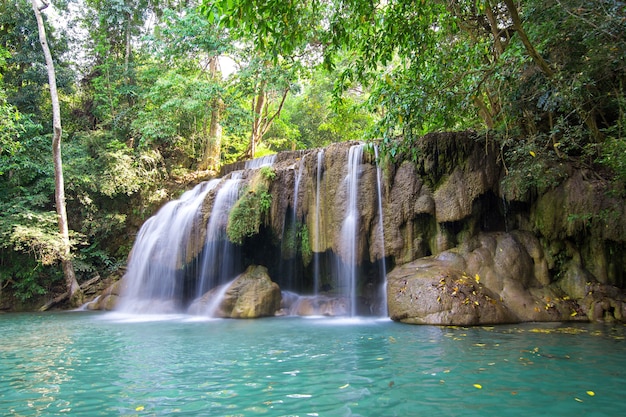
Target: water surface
(94, 364)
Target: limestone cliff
(464, 241)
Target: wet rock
(320, 305)
(252, 294)
(109, 298)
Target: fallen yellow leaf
(139, 408)
(591, 393)
(344, 386)
(478, 386)
(532, 154)
(477, 278)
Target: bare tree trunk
(73, 289)
(258, 104)
(213, 144)
(262, 121)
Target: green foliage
(314, 119)
(533, 169)
(265, 202)
(26, 278)
(268, 173)
(24, 72)
(305, 244)
(296, 239)
(246, 216)
(614, 157)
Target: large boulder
(252, 294)
(493, 278)
(438, 291)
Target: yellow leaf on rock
(477, 278)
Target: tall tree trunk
(258, 105)
(75, 293)
(262, 120)
(213, 144)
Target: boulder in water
(252, 294)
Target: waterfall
(153, 280)
(291, 237)
(383, 266)
(350, 227)
(219, 256)
(262, 161)
(318, 231)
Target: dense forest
(156, 95)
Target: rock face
(496, 278)
(465, 241)
(251, 295)
(492, 278)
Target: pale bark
(262, 121)
(73, 289)
(213, 144)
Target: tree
(267, 87)
(521, 69)
(73, 289)
(186, 49)
(273, 59)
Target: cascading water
(383, 267)
(290, 240)
(219, 256)
(153, 280)
(262, 161)
(318, 231)
(349, 230)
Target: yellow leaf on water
(591, 393)
(139, 408)
(578, 399)
(344, 386)
(478, 386)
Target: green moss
(247, 214)
(305, 245)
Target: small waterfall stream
(291, 236)
(153, 278)
(318, 229)
(381, 235)
(219, 256)
(350, 227)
